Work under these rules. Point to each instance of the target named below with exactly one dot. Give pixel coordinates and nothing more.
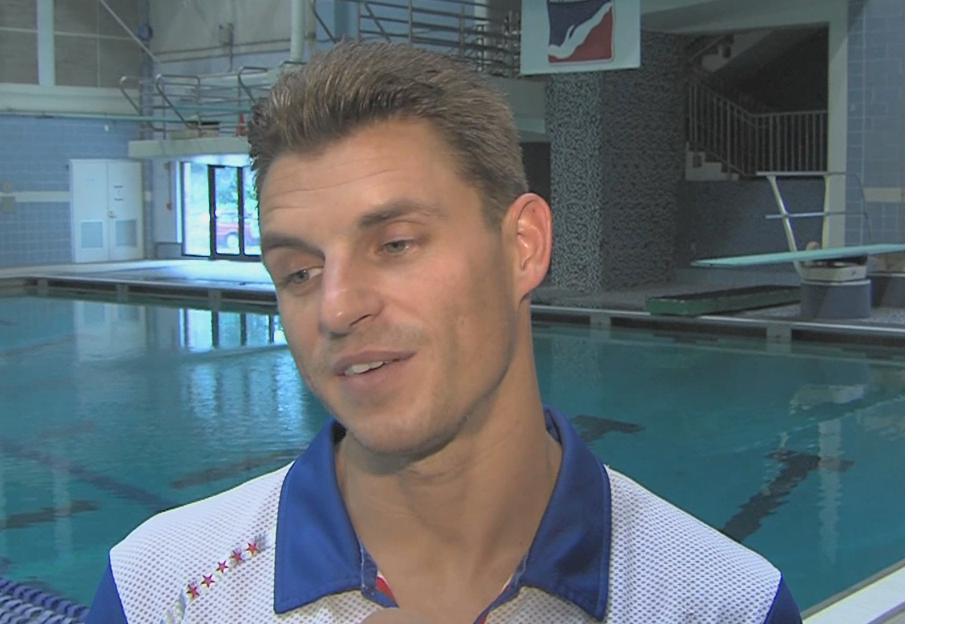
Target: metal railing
(747, 142)
(488, 39)
(184, 106)
(792, 141)
(187, 106)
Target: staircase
(702, 167)
(731, 134)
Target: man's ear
(529, 228)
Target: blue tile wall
(34, 156)
(726, 218)
(875, 120)
(35, 233)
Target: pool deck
(876, 600)
(221, 281)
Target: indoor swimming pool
(111, 412)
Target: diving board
(808, 255)
(833, 280)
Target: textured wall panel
(75, 16)
(18, 14)
(75, 60)
(118, 58)
(125, 10)
(643, 163)
(573, 115)
(617, 158)
(18, 57)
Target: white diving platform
(834, 282)
(807, 255)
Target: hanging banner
(579, 35)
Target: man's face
(396, 296)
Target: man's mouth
(359, 369)
(363, 363)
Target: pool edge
(875, 600)
(215, 296)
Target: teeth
(356, 369)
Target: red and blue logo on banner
(580, 30)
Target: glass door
(219, 212)
(251, 215)
(195, 199)
(225, 211)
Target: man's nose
(349, 297)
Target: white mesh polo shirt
(281, 548)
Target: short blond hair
(355, 84)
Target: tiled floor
(199, 272)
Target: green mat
(732, 300)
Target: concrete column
(297, 8)
(834, 227)
(617, 159)
(573, 118)
(46, 72)
(345, 20)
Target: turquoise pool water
(109, 413)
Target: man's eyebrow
(270, 241)
(395, 209)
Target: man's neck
(463, 517)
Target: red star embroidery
(237, 556)
(207, 581)
(252, 548)
(222, 567)
(193, 591)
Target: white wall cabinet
(106, 205)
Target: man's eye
(397, 246)
(301, 276)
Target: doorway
(220, 215)
(106, 204)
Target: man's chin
(391, 447)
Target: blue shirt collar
(318, 553)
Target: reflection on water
(140, 408)
(797, 451)
(812, 395)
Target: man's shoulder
(664, 558)
(209, 517)
(638, 512)
(188, 548)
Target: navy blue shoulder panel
(784, 609)
(107, 608)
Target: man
(397, 227)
